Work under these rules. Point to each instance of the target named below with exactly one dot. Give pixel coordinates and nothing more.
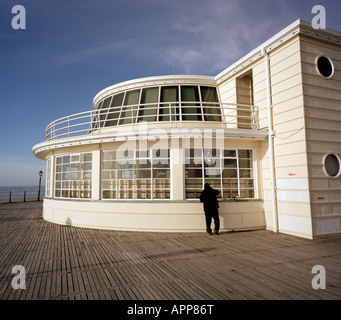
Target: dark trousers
(209, 215)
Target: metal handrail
(26, 195)
(228, 115)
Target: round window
(331, 165)
(325, 67)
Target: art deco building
(265, 132)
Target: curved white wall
(152, 216)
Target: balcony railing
(233, 116)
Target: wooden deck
(65, 262)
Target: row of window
(146, 174)
(162, 103)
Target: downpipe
(271, 142)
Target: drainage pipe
(271, 142)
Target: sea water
(18, 192)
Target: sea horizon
(18, 191)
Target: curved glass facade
(159, 103)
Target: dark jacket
(209, 198)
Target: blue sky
(70, 50)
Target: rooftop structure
(265, 132)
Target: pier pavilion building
(265, 132)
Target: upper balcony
(167, 102)
(170, 114)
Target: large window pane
(147, 111)
(211, 105)
(114, 111)
(103, 112)
(168, 95)
(190, 111)
(209, 94)
(132, 97)
(131, 100)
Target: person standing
(209, 198)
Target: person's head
(207, 186)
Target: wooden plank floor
(65, 262)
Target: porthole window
(325, 67)
(332, 165)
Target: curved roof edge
(156, 80)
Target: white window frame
(253, 177)
(71, 180)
